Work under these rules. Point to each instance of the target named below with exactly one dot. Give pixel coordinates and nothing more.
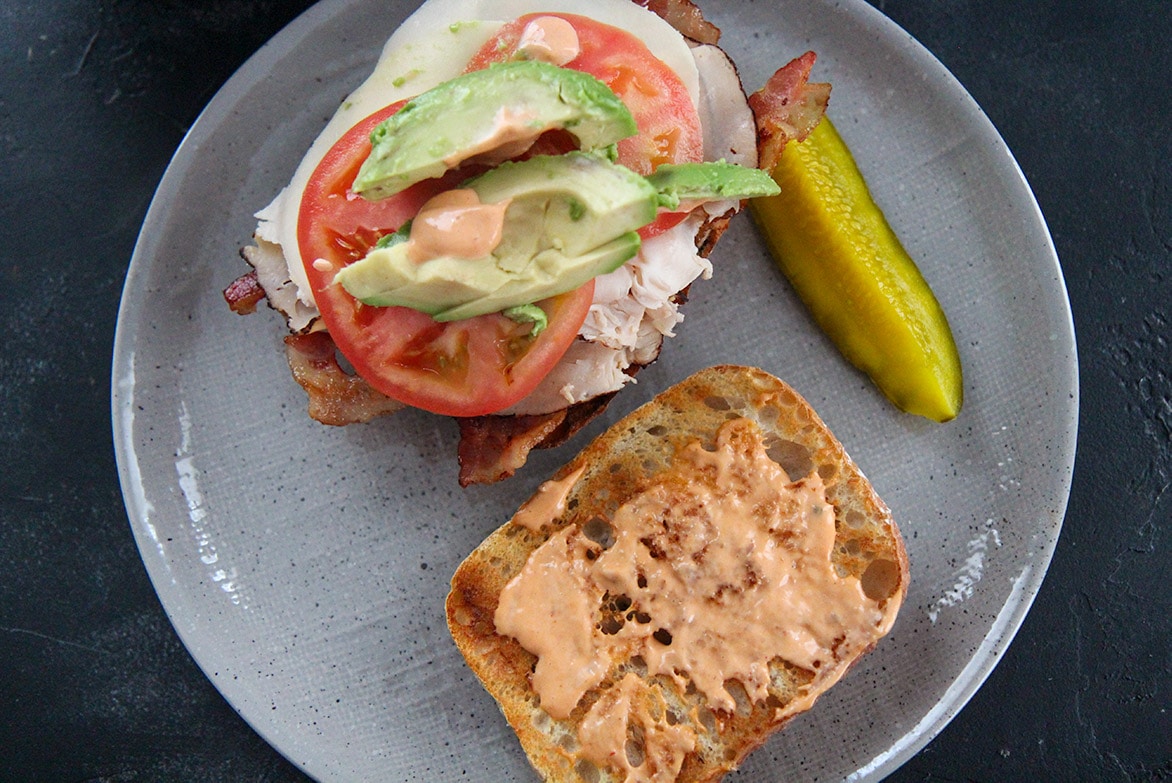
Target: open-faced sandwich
(502, 222)
(692, 580)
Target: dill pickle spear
(833, 243)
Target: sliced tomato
(669, 126)
(462, 368)
(662, 223)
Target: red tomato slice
(462, 368)
(669, 126)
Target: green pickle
(833, 243)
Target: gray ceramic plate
(305, 567)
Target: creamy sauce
(454, 223)
(554, 619)
(604, 730)
(549, 39)
(722, 564)
(548, 503)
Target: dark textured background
(95, 95)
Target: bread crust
(622, 462)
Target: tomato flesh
(462, 368)
(485, 364)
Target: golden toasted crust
(621, 463)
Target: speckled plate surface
(305, 567)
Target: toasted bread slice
(666, 700)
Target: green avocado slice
(571, 272)
(569, 218)
(503, 107)
(713, 181)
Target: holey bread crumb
(697, 576)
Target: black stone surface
(95, 95)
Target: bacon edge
(685, 17)
(492, 448)
(244, 293)
(787, 108)
(336, 397)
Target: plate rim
(996, 640)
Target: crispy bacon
(335, 396)
(685, 17)
(787, 108)
(494, 447)
(244, 293)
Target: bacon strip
(335, 396)
(787, 108)
(685, 17)
(244, 293)
(494, 447)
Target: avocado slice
(505, 106)
(572, 203)
(386, 277)
(570, 218)
(713, 181)
(552, 274)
